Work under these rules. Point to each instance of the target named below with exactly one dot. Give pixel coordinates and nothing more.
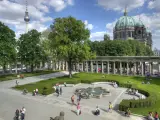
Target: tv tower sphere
(26, 17)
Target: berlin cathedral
(129, 28)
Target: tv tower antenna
(26, 17)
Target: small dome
(125, 22)
(147, 30)
(139, 23)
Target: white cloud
(154, 4)
(119, 5)
(97, 35)
(89, 26)
(59, 5)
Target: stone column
(91, 66)
(158, 67)
(102, 67)
(82, 67)
(114, 67)
(86, 66)
(151, 68)
(127, 68)
(59, 65)
(120, 66)
(135, 68)
(62, 65)
(67, 66)
(78, 67)
(97, 66)
(108, 70)
(142, 69)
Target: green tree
(30, 50)
(69, 41)
(106, 37)
(7, 46)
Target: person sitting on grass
(128, 112)
(150, 117)
(97, 112)
(36, 91)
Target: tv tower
(26, 17)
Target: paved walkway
(36, 105)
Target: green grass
(153, 88)
(29, 74)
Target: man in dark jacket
(60, 117)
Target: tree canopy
(7, 46)
(30, 49)
(69, 40)
(120, 48)
(106, 37)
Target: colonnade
(111, 67)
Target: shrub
(44, 91)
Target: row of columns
(111, 66)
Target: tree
(69, 41)
(7, 46)
(30, 50)
(106, 37)
(120, 48)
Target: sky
(99, 16)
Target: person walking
(60, 90)
(110, 107)
(156, 116)
(72, 99)
(78, 109)
(23, 111)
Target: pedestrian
(156, 116)
(17, 115)
(60, 90)
(72, 99)
(78, 109)
(23, 111)
(36, 91)
(110, 107)
(17, 82)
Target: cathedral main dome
(125, 22)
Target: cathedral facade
(128, 28)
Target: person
(25, 91)
(130, 91)
(150, 116)
(60, 90)
(65, 85)
(36, 91)
(127, 113)
(78, 109)
(156, 116)
(110, 107)
(72, 99)
(60, 117)
(57, 90)
(17, 114)
(97, 112)
(17, 82)
(23, 111)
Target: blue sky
(99, 16)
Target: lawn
(29, 74)
(153, 88)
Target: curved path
(41, 108)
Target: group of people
(35, 92)
(20, 114)
(78, 103)
(150, 116)
(115, 85)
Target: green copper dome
(125, 22)
(147, 30)
(139, 23)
